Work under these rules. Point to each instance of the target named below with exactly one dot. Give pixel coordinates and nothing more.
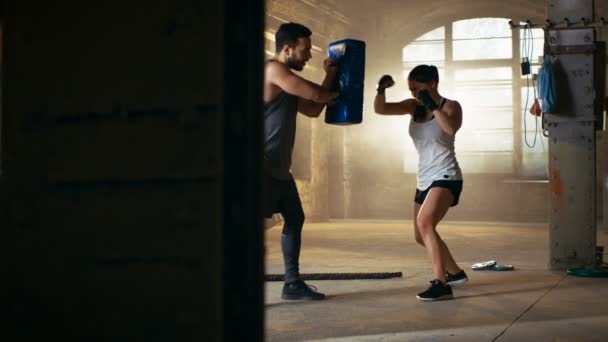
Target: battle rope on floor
(337, 276)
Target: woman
(435, 121)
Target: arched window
(479, 65)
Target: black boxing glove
(385, 81)
(420, 113)
(426, 99)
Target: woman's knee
(425, 226)
(417, 235)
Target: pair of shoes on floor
(299, 290)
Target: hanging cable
(537, 130)
(528, 52)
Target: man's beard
(293, 64)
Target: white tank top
(436, 155)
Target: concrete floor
(528, 304)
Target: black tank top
(279, 134)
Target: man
(286, 94)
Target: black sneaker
(437, 291)
(459, 278)
(299, 290)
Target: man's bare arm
(314, 109)
(280, 75)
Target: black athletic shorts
(280, 196)
(455, 187)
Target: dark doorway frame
(243, 233)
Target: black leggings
(281, 196)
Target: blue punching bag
(349, 56)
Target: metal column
(578, 64)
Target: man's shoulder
(276, 71)
(274, 64)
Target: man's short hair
(289, 33)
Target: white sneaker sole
(444, 297)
